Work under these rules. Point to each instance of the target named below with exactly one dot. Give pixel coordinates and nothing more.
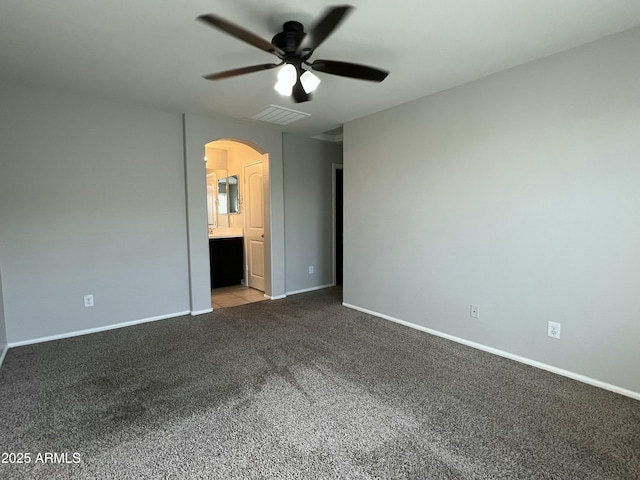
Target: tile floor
(234, 296)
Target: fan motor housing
(290, 37)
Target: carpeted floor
(301, 388)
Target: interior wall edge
(275, 297)
(311, 289)
(3, 330)
(89, 331)
(3, 354)
(527, 361)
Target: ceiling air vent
(280, 115)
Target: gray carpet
(302, 388)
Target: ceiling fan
(293, 46)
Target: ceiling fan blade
(241, 71)
(240, 33)
(323, 28)
(351, 70)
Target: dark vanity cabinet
(225, 256)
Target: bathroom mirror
(228, 195)
(234, 194)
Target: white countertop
(225, 233)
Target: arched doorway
(198, 131)
(238, 220)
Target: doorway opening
(238, 221)
(338, 256)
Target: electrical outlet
(310, 269)
(553, 329)
(475, 311)
(88, 300)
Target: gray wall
(308, 213)
(108, 199)
(91, 202)
(519, 193)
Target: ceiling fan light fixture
(287, 77)
(309, 81)
(294, 47)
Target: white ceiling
(154, 52)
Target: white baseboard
(201, 312)
(275, 297)
(511, 356)
(295, 292)
(3, 354)
(95, 330)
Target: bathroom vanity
(223, 209)
(226, 257)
